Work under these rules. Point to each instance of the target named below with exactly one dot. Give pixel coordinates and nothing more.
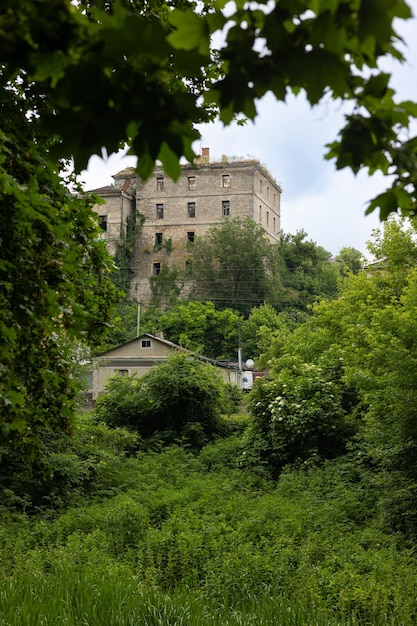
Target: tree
(232, 265)
(350, 260)
(307, 272)
(179, 401)
(297, 417)
(94, 67)
(200, 327)
(55, 289)
(77, 78)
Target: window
(191, 209)
(103, 222)
(267, 218)
(190, 236)
(159, 211)
(275, 229)
(226, 180)
(122, 372)
(160, 183)
(260, 213)
(267, 192)
(191, 182)
(260, 186)
(275, 199)
(146, 343)
(226, 208)
(156, 269)
(158, 239)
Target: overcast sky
(289, 139)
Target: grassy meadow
(169, 537)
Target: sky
(290, 139)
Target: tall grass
(172, 539)
(116, 598)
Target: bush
(298, 416)
(179, 401)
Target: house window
(275, 199)
(122, 372)
(190, 236)
(275, 230)
(159, 211)
(260, 186)
(267, 192)
(226, 181)
(260, 213)
(160, 183)
(146, 343)
(103, 222)
(226, 208)
(267, 218)
(191, 209)
(156, 269)
(158, 239)
(191, 182)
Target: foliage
(197, 540)
(200, 327)
(307, 273)
(350, 260)
(323, 49)
(177, 401)
(297, 417)
(262, 320)
(232, 265)
(55, 289)
(165, 286)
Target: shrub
(298, 416)
(179, 401)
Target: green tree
(232, 265)
(297, 417)
(200, 327)
(93, 68)
(179, 401)
(350, 260)
(307, 272)
(55, 289)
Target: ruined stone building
(172, 214)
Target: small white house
(140, 355)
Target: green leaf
(191, 32)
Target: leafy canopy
(146, 74)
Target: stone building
(175, 213)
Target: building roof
(219, 363)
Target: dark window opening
(158, 239)
(191, 209)
(190, 236)
(103, 222)
(226, 208)
(156, 269)
(146, 343)
(159, 211)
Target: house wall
(114, 213)
(165, 237)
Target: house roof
(171, 345)
(165, 342)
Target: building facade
(174, 213)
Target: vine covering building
(173, 213)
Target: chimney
(205, 155)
